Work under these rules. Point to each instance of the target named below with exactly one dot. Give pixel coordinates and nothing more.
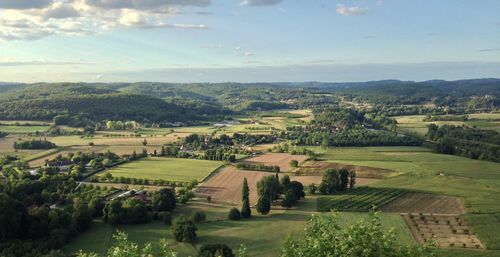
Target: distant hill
(45, 101)
(167, 102)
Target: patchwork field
(426, 203)
(225, 185)
(180, 170)
(157, 140)
(276, 159)
(361, 199)
(415, 123)
(447, 230)
(476, 182)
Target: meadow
(263, 235)
(169, 169)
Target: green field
(23, 129)
(276, 227)
(170, 169)
(477, 182)
(361, 199)
(415, 123)
(487, 227)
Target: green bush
(234, 214)
(199, 217)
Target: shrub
(165, 217)
(215, 250)
(184, 230)
(234, 214)
(312, 188)
(199, 217)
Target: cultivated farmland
(361, 199)
(447, 230)
(426, 203)
(169, 169)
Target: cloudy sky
(248, 40)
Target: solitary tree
(294, 163)
(246, 212)
(145, 142)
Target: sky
(248, 40)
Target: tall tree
(246, 212)
(164, 200)
(344, 179)
(352, 179)
(264, 204)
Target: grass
(23, 129)
(362, 199)
(487, 227)
(170, 169)
(415, 123)
(276, 227)
(477, 182)
(466, 253)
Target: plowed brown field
(426, 203)
(225, 186)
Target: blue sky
(248, 40)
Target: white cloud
(350, 10)
(248, 54)
(259, 2)
(31, 20)
(24, 4)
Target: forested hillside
(170, 102)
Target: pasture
(169, 169)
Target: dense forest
(468, 142)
